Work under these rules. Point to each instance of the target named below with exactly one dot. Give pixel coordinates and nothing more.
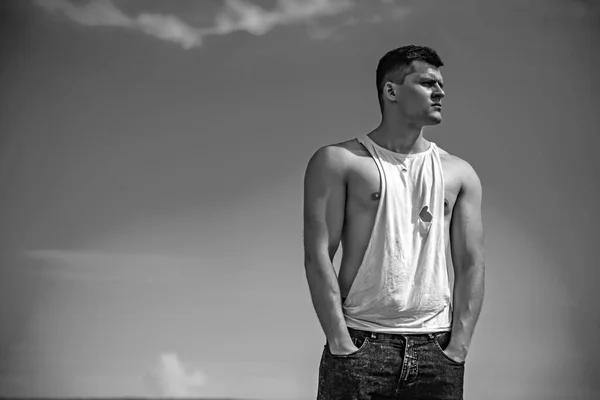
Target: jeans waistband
(398, 336)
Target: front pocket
(443, 354)
(356, 342)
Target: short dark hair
(398, 62)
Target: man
(400, 206)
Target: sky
(152, 157)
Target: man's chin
(434, 120)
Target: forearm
(468, 300)
(326, 299)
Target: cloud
(236, 15)
(170, 28)
(240, 15)
(104, 13)
(171, 378)
(98, 12)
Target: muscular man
(401, 207)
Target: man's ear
(389, 91)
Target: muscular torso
(363, 186)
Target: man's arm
(324, 203)
(466, 235)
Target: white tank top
(402, 283)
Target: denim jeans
(391, 367)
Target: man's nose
(439, 92)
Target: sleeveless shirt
(402, 284)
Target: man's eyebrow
(433, 78)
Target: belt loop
(431, 336)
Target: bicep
(466, 233)
(324, 200)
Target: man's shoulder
(461, 167)
(340, 153)
(455, 161)
(347, 147)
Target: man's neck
(399, 137)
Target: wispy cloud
(171, 378)
(98, 12)
(236, 15)
(104, 13)
(240, 15)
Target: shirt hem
(401, 330)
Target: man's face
(419, 98)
